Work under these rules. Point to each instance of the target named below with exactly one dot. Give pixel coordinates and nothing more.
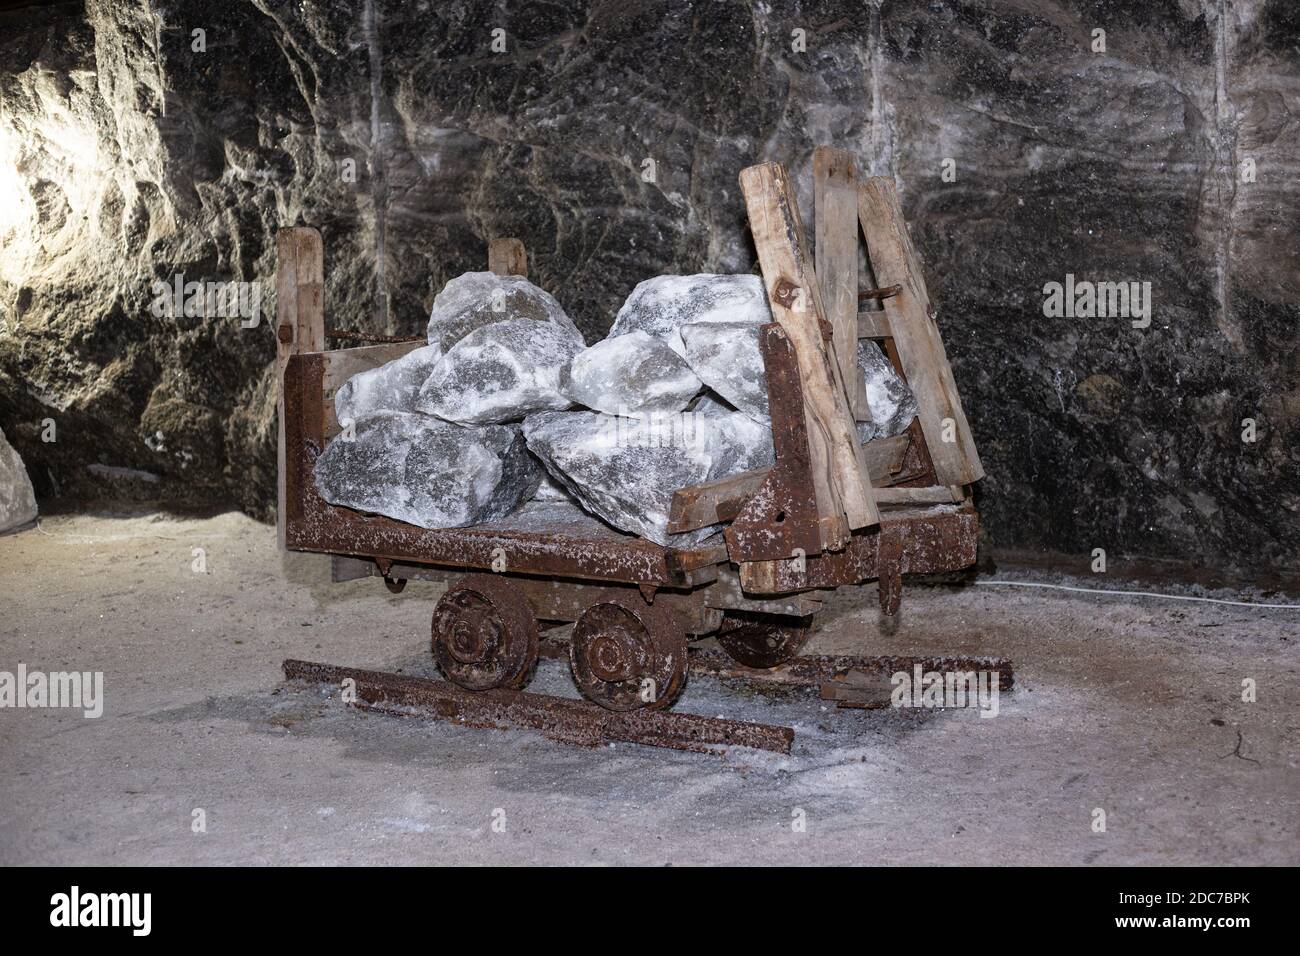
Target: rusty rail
(860, 682)
(560, 719)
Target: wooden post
(835, 205)
(506, 257)
(840, 474)
(299, 324)
(910, 318)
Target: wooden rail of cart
(831, 512)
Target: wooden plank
(840, 475)
(711, 502)
(835, 204)
(895, 262)
(874, 325)
(342, 364)
(506, 257)
(935, 495)
(299, 325)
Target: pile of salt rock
(507, 405)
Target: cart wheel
(627, 654)
(485, 634)
(763, 640)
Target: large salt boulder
(428, 472)
(625, 470)
(500, 373)
(477, 299)
(391, 387)
(628, 374)
(890, 400)
(662, 305)
(17, 499)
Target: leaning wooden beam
(835, 208)
(711, 502)
(506, 257)
(925, 363)
(299, 324)
(840, 476)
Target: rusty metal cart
(830, 513)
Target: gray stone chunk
(500, 373)
(628, 374)
(662, 305)
(892, 404)
(17, 499)
(427, 472)
(477, 299)
(391, 387)
(625, 470)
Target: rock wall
(608, 136)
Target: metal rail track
(856, 682)
(568, 721)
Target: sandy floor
(1130, 706)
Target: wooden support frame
(506, 257)
(910, 320)
(839, 473)
(299, 325)
(835, 217)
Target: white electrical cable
(1154, 594)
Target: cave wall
(128, 156)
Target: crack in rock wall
(133, 150)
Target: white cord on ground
(1154, 594)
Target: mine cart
(830, 512)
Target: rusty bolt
(785, 292)
(285, 334)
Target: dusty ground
(1128, 705)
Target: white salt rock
(551, 490)
(391, 387)
(477, 299)
(625, 470)
(662, 305)
(427, 472)
(17, 498)
(727, 358)
(628, 374)
(500, 373)
(890, 400)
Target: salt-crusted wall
(133, 149)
